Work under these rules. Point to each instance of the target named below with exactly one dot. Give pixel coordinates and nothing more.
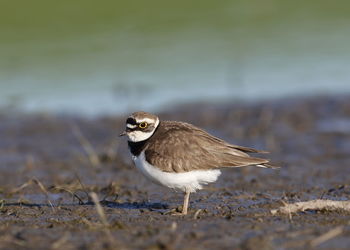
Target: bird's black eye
(143, 125)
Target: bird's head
(140, 126)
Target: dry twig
(81, 202)
(313, 205)
(88, 148)
(99, 209)
(103, 217)
(327, 236)
(40, 185)
(43, 189)
(83, 187)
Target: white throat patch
(137, 136)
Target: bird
(181, 156)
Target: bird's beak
(123, 133)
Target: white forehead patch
(148, 120)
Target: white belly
(191, 181)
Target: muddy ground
(48, 169)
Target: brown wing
(181, 147)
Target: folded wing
(190, 148)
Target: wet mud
(50, 165)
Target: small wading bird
(181, 156)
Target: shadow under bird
(180, 156)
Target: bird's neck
(137, 147)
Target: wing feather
(181, 147)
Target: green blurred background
(110, 57)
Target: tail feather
(247, 150)
(267, 165)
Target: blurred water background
(110, 57)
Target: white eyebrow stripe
(130, 125)
(148, 120)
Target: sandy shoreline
(309, 137)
